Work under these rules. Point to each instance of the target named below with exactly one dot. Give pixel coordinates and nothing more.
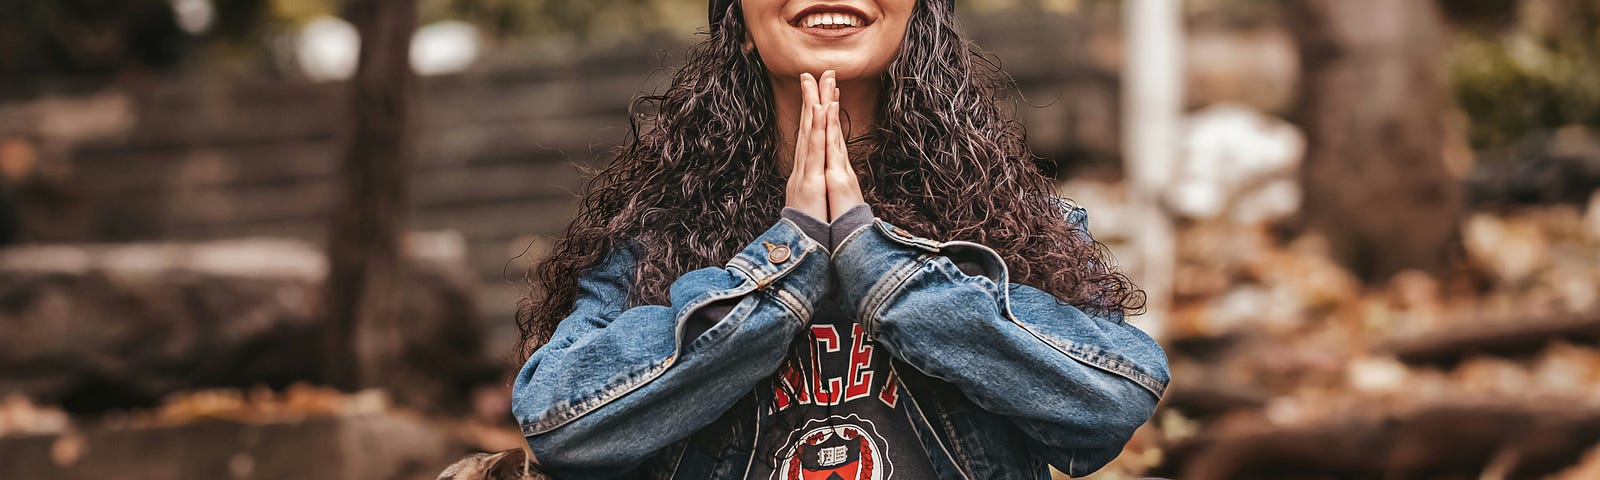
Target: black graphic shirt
(838, 411)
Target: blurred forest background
(285, 238)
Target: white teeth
(820, 19)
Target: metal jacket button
(777, 253)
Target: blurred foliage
(110, 36)
(89, 37)
(1229, 14)
(80, 36)
(1479, 14)
(614, 19)
(1517, 67)
(1541, 73)
(297, 11)
(589, 21)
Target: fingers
(807, 187)
(819, 125)
(838, 156)
(808, 94)
(836, 143)
(822, 182)
(844, 190)
(842, 149)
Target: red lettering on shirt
(890, 394)
(806, 384)
(829, 338)
(860, 359)
(791, 381)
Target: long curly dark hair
(699, 178)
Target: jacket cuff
(788, 264)
(874, 262)
(812, 226)
(856, 217)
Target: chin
(857, 73)
(845, 71)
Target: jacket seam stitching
(1104, 361)
(936, 441)
(847, 239)
(678, 462)
(632, 380)
(792, 302)
(955, 440)
(738, 315)
(642, 376)
(887, 288)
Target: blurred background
(285, 238)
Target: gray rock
(370, 446)
(94, 327)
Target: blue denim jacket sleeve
(616, 384)
(1076, 384)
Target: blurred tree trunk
(1373, 102)
(365, 272)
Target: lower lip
(831, 32)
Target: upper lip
(831, 8)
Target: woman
(734, 301)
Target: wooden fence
(497, 149)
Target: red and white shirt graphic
(838, 411)
(836, 448)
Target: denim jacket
(1003, 379)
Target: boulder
(101, 327)
(365, 446)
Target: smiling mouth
(822, 17)
(830, 20)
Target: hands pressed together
(823, 184)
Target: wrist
(812, 226)
(852, 219)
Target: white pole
(1152, 99)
